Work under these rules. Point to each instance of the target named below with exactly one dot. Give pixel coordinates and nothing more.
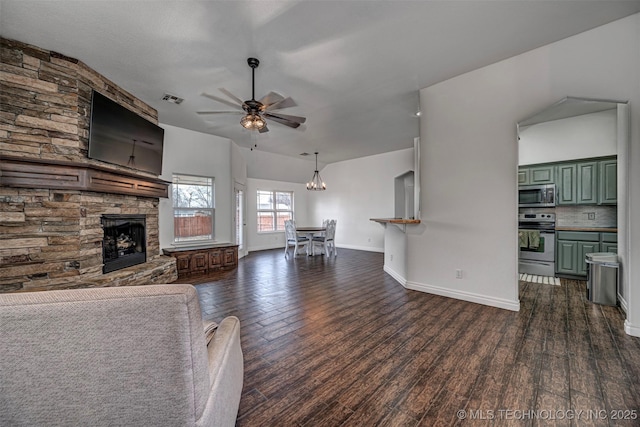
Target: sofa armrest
(226, 371)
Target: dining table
(309, 232)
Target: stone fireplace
(53, 198)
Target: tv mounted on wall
(120, 136)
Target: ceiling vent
(172, 98)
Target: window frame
(211, 210)
(274, 210)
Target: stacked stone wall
(52, 239)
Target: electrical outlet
(591, 215)
(391, 257)
(369, 240)
(458, 273)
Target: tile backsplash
(579, 216)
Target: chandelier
(316, 183)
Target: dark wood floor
(337, 342)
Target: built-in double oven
(537, 241)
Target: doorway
(570, 131)
(239, 218)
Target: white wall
(469, 160)
(276, 167)
(581, 137)
(197, 153)
(358, 190)
(261, 241)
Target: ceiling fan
(256, 112)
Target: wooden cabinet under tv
(204, 260)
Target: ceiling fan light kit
(316, 183)
(258, 111)
(253, 122)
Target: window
(193, 208)
(274, 208)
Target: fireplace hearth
(124, 242)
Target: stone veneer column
(52, 239)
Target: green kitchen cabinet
(609, 242)
(539, 174)
(587, 183)
(523, 176)
(571, 248)
(566, 184)
(583, 249)
(567, 257)
(608, 182)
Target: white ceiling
(353, 67)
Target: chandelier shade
(316, 183)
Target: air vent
(172, 98)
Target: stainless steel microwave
(537, 196)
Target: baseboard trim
(265, 248)
(634, 331)
(465, 296)
(398, 277)
(362, 248)
(623, 303)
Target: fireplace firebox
(124, 242)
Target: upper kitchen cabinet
(566, 185)
(536, 175)
(587, 182)
(608, 182)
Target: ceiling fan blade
(221, 100)
(220, 112)
(232, 96)
(285, 103)
(264, 129)
(282, 121)
(271, 98)
(296, 119)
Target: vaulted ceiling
(353, 67)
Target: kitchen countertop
(596, 229)
(395, 220)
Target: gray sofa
(119, 356)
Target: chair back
(331, 230)
(290, 230)
(131, 355)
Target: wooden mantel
(60, 175)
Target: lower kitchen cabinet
(583, 249)
(567, 257)
(203, 261)
(609, 242)
(572, 246)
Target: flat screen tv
(120, 136)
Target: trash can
(602, 277)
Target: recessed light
(418, 113)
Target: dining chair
(328, 240)
(292, 238)
(325, 222)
